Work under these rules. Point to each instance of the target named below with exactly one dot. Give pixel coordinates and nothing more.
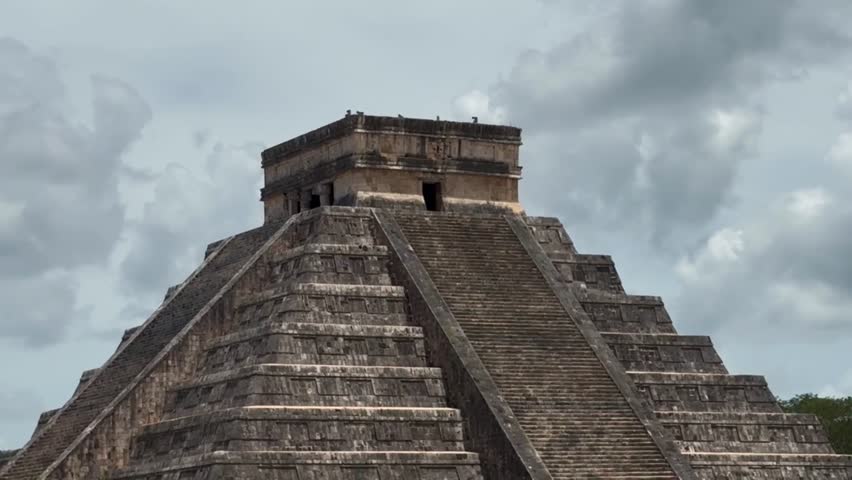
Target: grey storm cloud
(662, 57)
(843, 111)
(18, 408)
(192, 206)
(775, 291)
(639, 124)
(59, 200)
(643, 119)
(782, 274)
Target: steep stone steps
(274, 428)
(570, 409)
(312, 466)
(321, 344)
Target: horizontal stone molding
(391, 125)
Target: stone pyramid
(399, 317)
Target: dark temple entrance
(432, 196)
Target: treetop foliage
(834, 413)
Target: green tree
(835, 414)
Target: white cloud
(843, 109)
(194, 203)
(478, 104)
(840, 388)
(10, 212)
(38, 309)
(726, 245)
(735, 130)
(59, 204)
(719, 253)
(784, 267)
(813, 303)
(808, 203)
(840, 154)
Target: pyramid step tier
(715, 466)
(321, 344)
(308, 428)
(737, 432)
(324, 303)
(330, 263)
(699, 392)
(394, 465)
(620, 313)
(319, 385)
(665, 352)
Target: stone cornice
(360, 123)
(330, 169)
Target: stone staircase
(727, 426)
(564, 399)
(320, 375)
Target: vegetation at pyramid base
(835, 414)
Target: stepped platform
(665, 353)
(302, 428)
(321, 344)
(312, 465)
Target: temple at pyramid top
(365, 160)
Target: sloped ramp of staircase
(568, 405)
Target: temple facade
(399, 316)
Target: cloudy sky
(706, 145)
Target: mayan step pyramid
(399, 317)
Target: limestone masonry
(400, 317)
